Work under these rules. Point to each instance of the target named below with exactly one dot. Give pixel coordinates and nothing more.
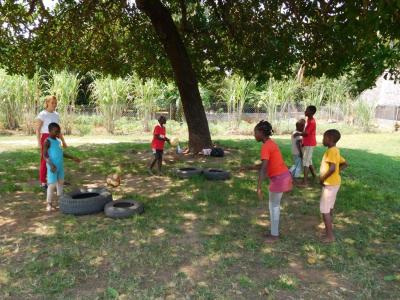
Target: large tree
(189, 40)
(185, 77)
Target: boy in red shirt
(309, 142)
(157, 144)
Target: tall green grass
(146, 96)
(276, 96)
(65, 86)
(19, 99)
(111, 98)
(235, 91)
(365, 113)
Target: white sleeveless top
(47, 118)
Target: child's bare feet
(49, 207)
(270, 239)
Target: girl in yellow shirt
(331, 165)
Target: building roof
(385, 93)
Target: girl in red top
(157, 144)
(272, 166)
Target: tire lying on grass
(216, 174)
(85, 201)
(188, 172)
(123, 208)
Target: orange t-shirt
(270, 151)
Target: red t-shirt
(311, 129)
(270, 151)
(156, 143)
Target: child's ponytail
(265, 127)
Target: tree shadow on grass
(203, 238)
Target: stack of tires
(95, 200)
(85, 201)
(210, 174)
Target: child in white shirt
(297, 151)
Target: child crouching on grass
(157, 145)
(331, 165)
(54, 156)
(273, 166)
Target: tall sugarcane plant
(111, 97)
(276, 96)
(235, 91)
(315, 93)
(146, 95)
(19, 99)
(65, 86)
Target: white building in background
(386, 96)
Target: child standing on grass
(44, 118)
(157, 145)
(272, 166)
(54, 157)
(331, 165)
(309, 142)
(297, 151)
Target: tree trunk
(185, 77)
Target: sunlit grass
(202, 239)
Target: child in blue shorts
(54, 157)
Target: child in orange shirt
(272, 166)
(331, 165)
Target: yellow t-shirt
(332, 155)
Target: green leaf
(391, 277)
(113, 293)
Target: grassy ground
(200, 239)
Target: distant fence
(249, 114)
(388, 113)
(253, 114)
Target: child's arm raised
(63, 141)
(77, 160)
(46, 147)
(261, 176)
(332, 168)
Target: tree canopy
(257, 39)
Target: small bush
(126, 125)
(365, 115)
(84, 129)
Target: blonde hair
(48, 99)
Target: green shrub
(84, 129)
(364, 115)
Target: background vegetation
(121, 105)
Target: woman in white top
(45, 117)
